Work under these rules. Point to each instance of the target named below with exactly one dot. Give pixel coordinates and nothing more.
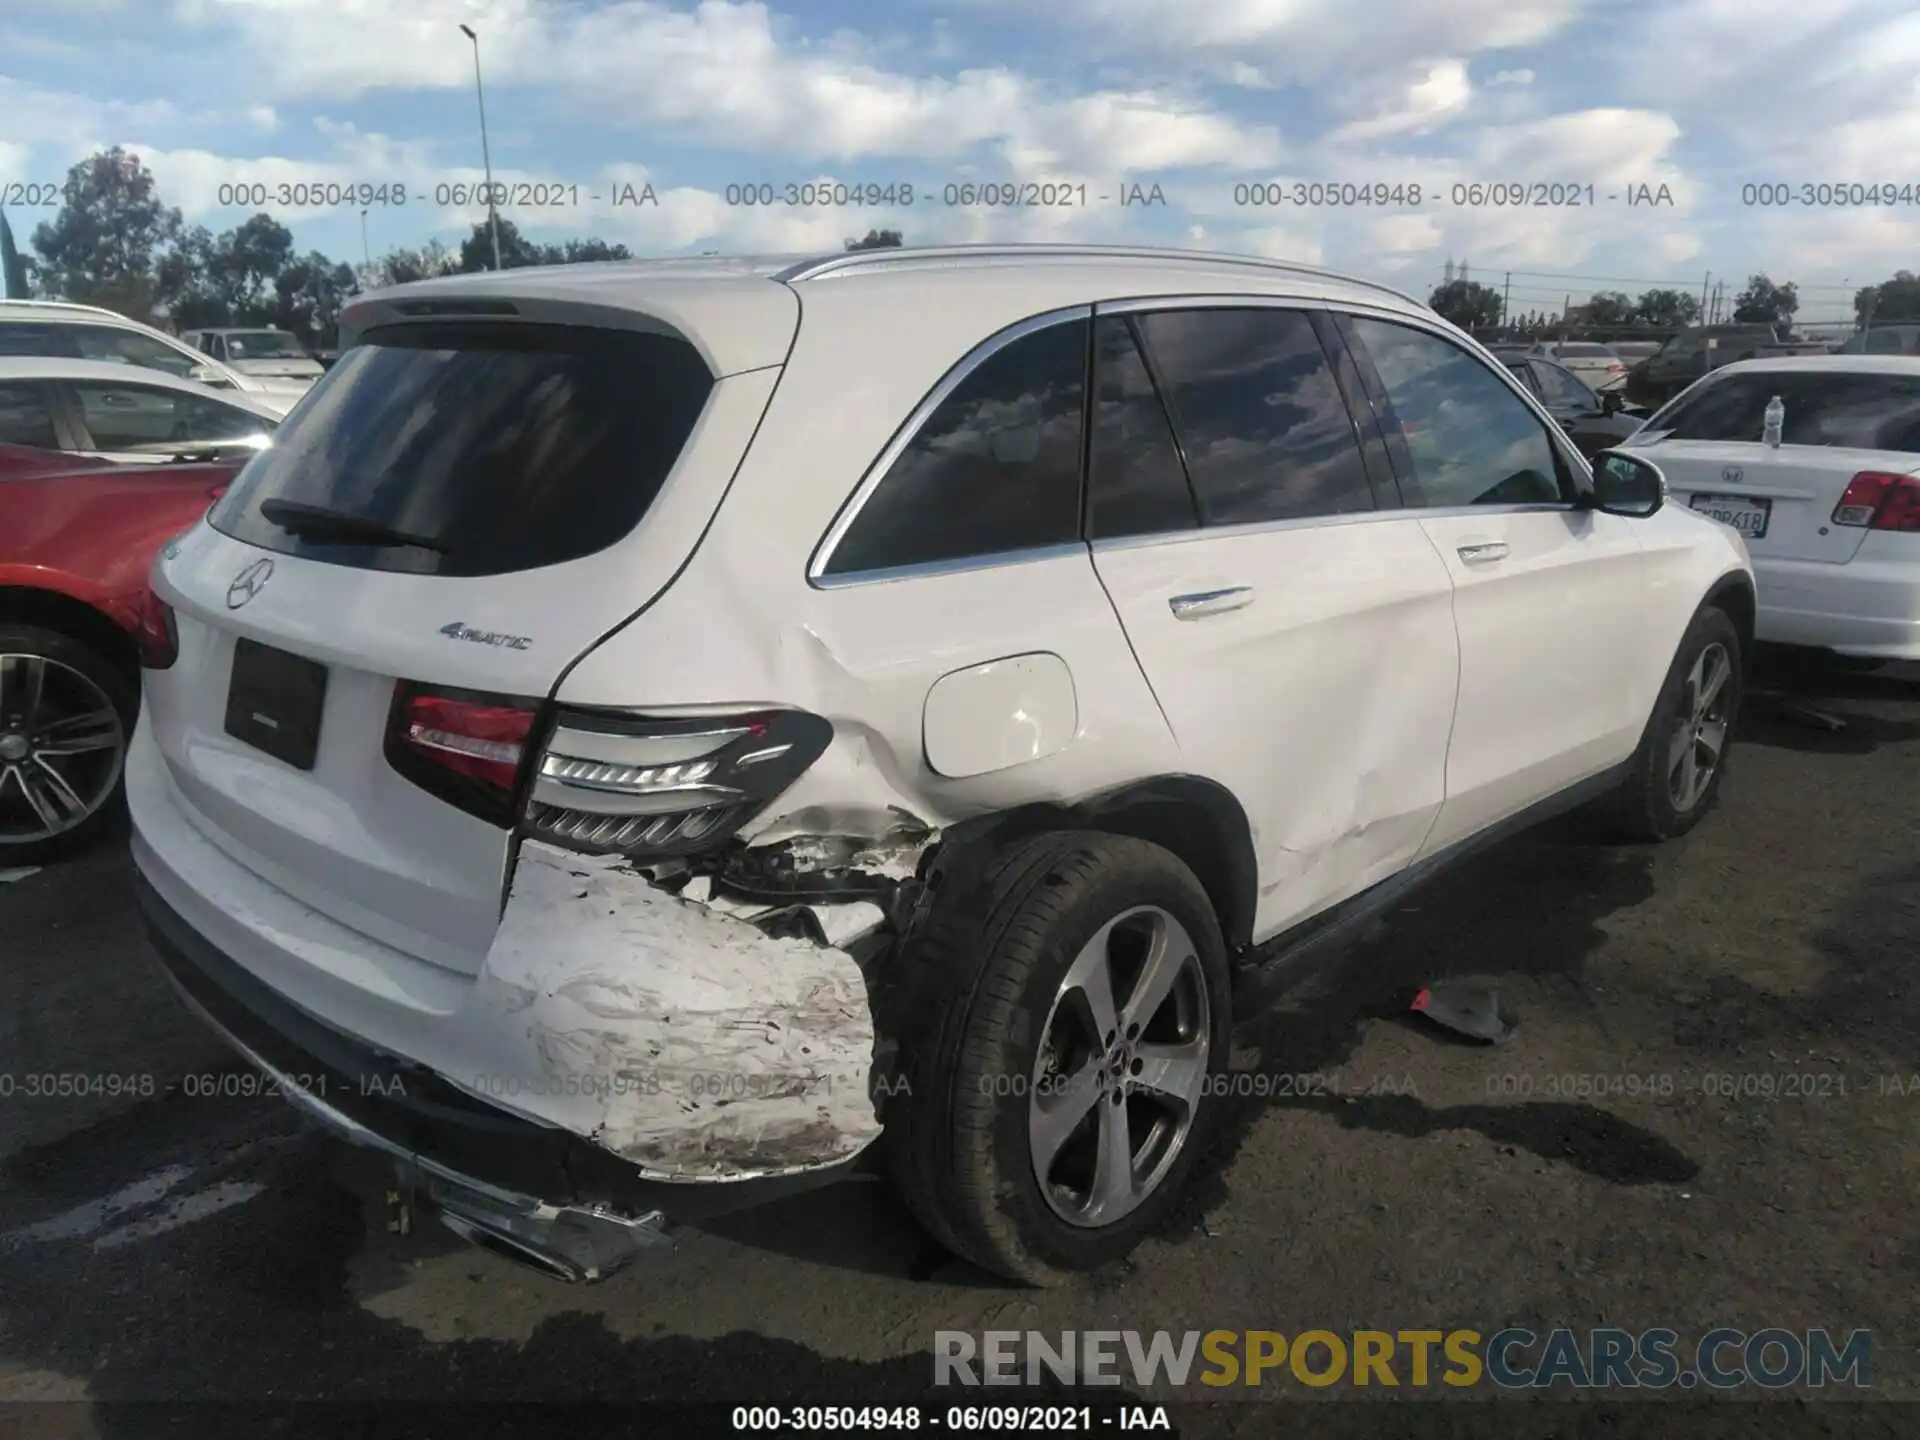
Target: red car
(77, 540)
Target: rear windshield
(505, 446)
(1583, 352)
(1858, 411)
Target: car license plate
(274, 702)
(1747, 514)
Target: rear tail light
(654, 788)
(600, 781)
(1876, 500)
(467, 748)
(156, 636)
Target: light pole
(366, 252)
(486, 158)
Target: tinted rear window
(1583, 352)
(1859, 411)
(508, 446)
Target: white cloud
(1301, 41)
(1772, 80)
(43, 119)
(1442, 93)
(721, 73)
(1513, 77)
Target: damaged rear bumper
(536, 1191)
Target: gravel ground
(187, 1248)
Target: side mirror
(1625, 484)
(1612, 402)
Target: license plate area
(274, 702)
(1749, 514)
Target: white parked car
(645, 729)
(1831, 513)
(1593, 363)
(254, 351)
(99, 410)
(54, 329)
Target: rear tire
(1006, 1141)
(1683, 753)
(66, 714)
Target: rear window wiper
(317, 522)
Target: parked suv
(645, 730)
(57, 330)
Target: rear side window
(1137, 484)
(1265, 431)
(130, 347)
(18, 338)
(995, 468)
(1856, 410)
(147, 417)
(1471, 440)
(508, 447)
(25, 418)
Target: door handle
(1494, 550)
(1202, 603)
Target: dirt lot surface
(1590, 1172)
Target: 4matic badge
(459, 631)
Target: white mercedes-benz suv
(648, 737)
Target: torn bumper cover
(630, 1048)
(680, 1037)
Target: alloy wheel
(1700, 740)
(1122, 1068)
(62, 745)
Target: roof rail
(908, 254)
(63, 305)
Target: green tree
(103, 244)
(1610, 307)
(246, 265)
(1667, 309)
(877, 240)
(1893, 300)
(402, 267)
(579, 252)
(1765, 303)
(476, 251)
(308, 296)
(183, 281)
(1467, 303)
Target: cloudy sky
(1220, 103)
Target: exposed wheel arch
(52, 610)
(1734, 594)
(1197, 819)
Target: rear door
(463, 505)
(1548, 599)
(1298, 637)
(1839, 422)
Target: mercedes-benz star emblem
(248, 583)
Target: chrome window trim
(877, 472)
(959, 566)
(1316, 522)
